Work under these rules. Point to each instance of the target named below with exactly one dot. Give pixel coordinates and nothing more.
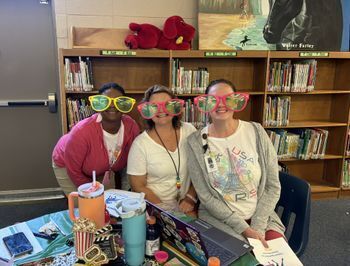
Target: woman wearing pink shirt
(98, 143)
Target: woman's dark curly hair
(176, 121)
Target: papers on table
(112, 196)
(16, 228)
(277, 254)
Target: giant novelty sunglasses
(233, 101)
(100, 103)
(172, 107)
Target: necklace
(177, 169)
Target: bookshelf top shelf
(308, 54)
(311, 92)
(304, 124)
(151, 53)
(154, 53)
(218, 54)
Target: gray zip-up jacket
(213, 208)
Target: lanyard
(177, 170)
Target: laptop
(197, 239)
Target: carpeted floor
(329, 240)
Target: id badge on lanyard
(109, 174)
(210, 163)
(209, 160)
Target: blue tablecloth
(57, 246)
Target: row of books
(296, 77)
(277, 111)
(301, 144)
(188, 81)
(192, 115)
(346, 173)
(78, 75)
(77, 110)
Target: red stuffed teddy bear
(146, 36)
(177, 34)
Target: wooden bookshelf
(322, 190)
(309, 93)
(326, 107)
(326, 157)
(307, 124)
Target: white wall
(118, 14)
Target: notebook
(198, 239)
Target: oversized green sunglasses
(172, 107)
(100, 103)
(234, 101)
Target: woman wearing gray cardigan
(233, 167)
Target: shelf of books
(83, 71)
(301, 98)
(191, 72)
(307, 115)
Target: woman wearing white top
(157, 162)
(233, 167)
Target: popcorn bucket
(84, 235)
(82, 241)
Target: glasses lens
(148, 110)
(173, 107)
(206, 103)
(235, 102)
(124, 104)
(99, 102)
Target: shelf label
(118, 52)
(220, 54)
(313, 54)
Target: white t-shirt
(113, 143)
(238, 170)
(146, 157)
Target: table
(58, 246)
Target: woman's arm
(191, 193)
(268, 200)
(74, 156)
(138, 183)
(188, 203)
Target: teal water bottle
(134, 230)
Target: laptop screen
(183, 236)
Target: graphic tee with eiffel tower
(238, 171)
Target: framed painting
(274, 25)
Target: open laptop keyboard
(217, 251)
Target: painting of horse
(274, 25)
(304, 25)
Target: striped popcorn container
(82, 241)
(84, 236)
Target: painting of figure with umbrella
(274, 25)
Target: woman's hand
(251, 233)
(186, 205)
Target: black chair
(295, 199)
